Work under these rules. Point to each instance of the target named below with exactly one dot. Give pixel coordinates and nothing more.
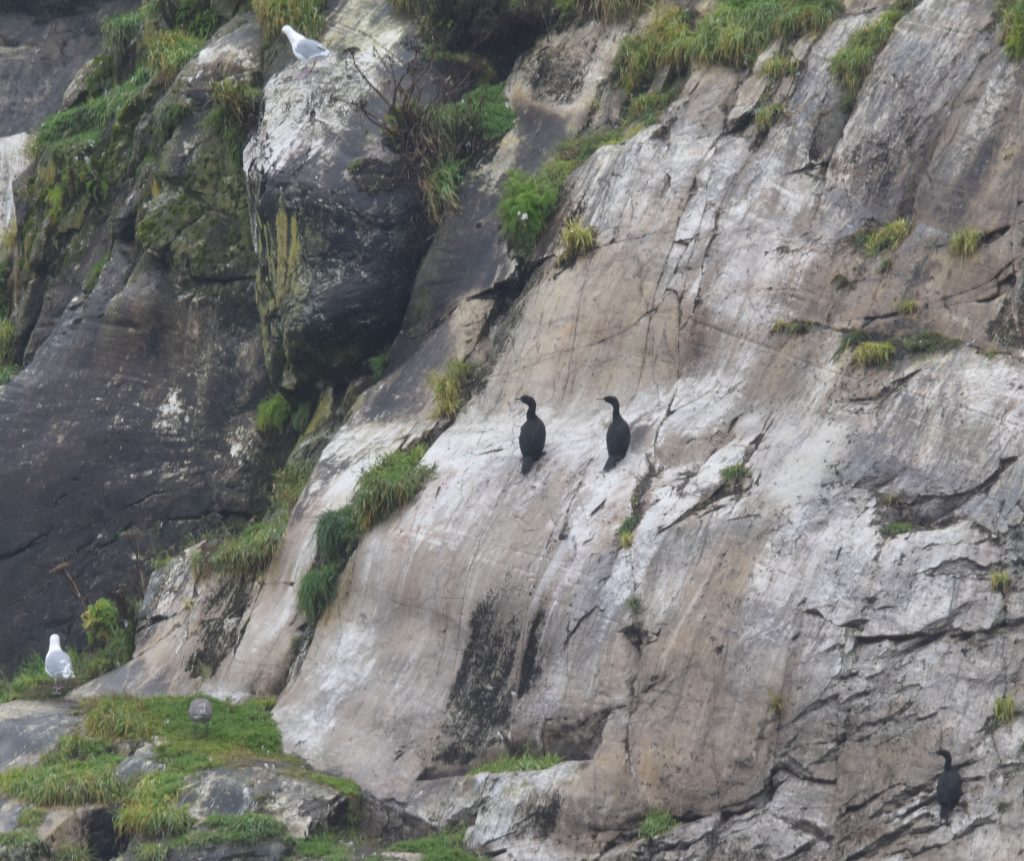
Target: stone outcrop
(763, 660)
(32, 728)
(132, 424)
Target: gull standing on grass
(58, 663)
(305, 50)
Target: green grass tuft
(656, 822)
(780, 65)
(627, 531)
(316, 591)
(92, 279)
(167, 51)
(663, 44)
(153, 812)
(234, 829)
(324, 845)
(577, 239)
(118, 717)
(528, 201)
(873, 354)
(852, 63)
(29, 682)
(239, 101)
(888, 237)
(437, 847)
(121, 33)
(390, 483)
(66, 782)
(449, 386)
(608, 10)
(768, 115)
(733, 476)
(337, 533)
(965, 243)
(1011, 24)
(273, 414)
(907, 307)
(30, 817)
(1001, 582)
(791, 327)
(8, 335)
(379, 364)
(896, 527)
(522, 762)
(306, 16)
(1005, 710)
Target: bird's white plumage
(58, 662)
(304, 49)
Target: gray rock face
(336, 218)
(30, 728)
(764, 661)
(302, 805)
(133, 422)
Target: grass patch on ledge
(965, 243)
(887, 237)
(896, 527)
(871, 351)
(522, 762)
(449, 386)
(790, 327)
(1011, 25)
(851, 64)
(656, 822)
(446, 846)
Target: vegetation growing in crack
(1004, 710)
(852, 63)
(896, 527)
(390, 483)
(522, 762)
(790, 327)
(907, 307)
(439, 138)
(1001, 582)
(379, 364)
(577, 239)
(734, 476)
(450, 386)
(869, 351)
(634, 604)
(776, 705)
(768, 115)
(654, 823)
(965, 243)
(446, 846)
(1011, 25)
(887, 237)
(245, 553)
(780, 65)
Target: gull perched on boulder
(305, 50)
(58, 663)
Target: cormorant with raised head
(947, 787)
(531, 435)
(617, 436)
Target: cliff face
(763, 659)
(781, 649)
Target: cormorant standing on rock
(531, 435)
(618, 435)
(947, 787)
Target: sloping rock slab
(30, 728)
(302, 805)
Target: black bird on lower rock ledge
(617, 436)
(947, 787)
(531, 435)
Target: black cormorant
(531, 435)
(617, 437)
(947, 787)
